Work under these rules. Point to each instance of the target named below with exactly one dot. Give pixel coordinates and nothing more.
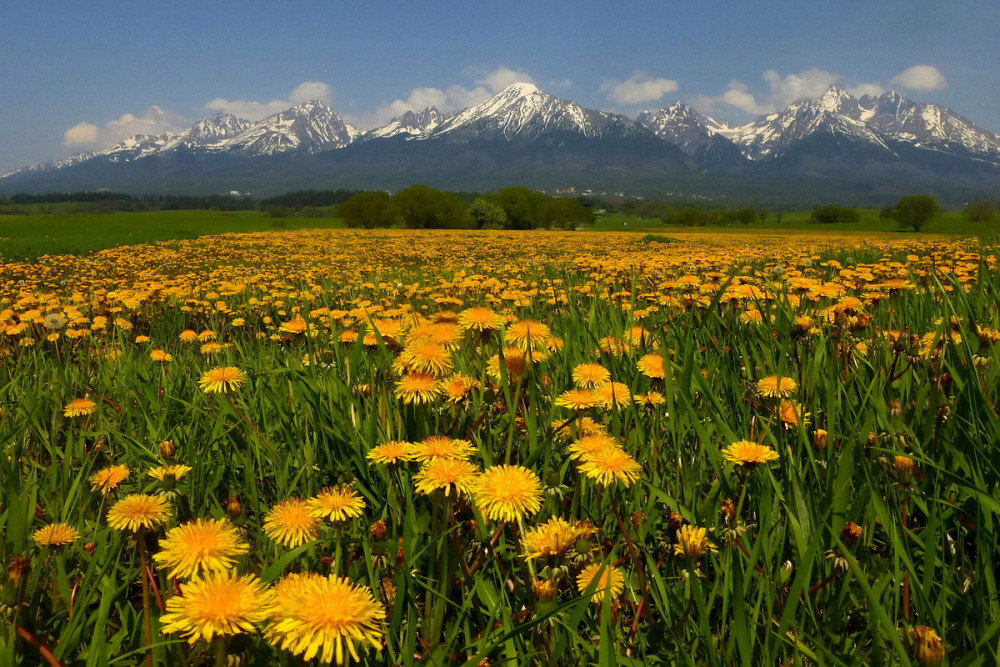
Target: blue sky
(76, 77)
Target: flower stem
(147, 626)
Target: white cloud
(781, 91)
(252, 110)
(87, 136)
(920, 77)
(638, 89)
(452, 98)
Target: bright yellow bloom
(527, 335)
(290, 523)
(926, 645)
(479, 319)
(338, 503)
(440, 446)
(426, 358)
(391, 452)
(79, 407)
(220, 605)
(577, 399)
(773, 387)
(200, 546)
(160, 355)
(612, 581)
(318, 616)
(610, 464)
(747, 453)
(691, 542)
(418, 388)
(651, 366)
(222, 379)
(553, 538)
(138, 511)
(446, 473)
(55, 535)
(176, 471)
(108, 479)
(588, 376)
(508, 493)
(589, 444)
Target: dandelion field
(452, 448)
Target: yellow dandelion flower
(774, 387)
(220, 605)
(613, 394)
(515, 364)
(200, 546)
(611, 581)
(440, 446)
(553, 538)
(175, 470)
(160, 356)
(209, 349)
(426, 358)
(338, 503)
(750, 454)
(583, 425)
(108, 479)
(610, 464)
(588, 376)
(55, 535)
(79, 407)
(290, 523)
(444, 473)
(577, 399)
(479, 319)
(393, 451)
(691, 542)
(589, 444)
(527, 334)
(320, 616)
(458, 386)
(222, 379)
(294, 326)
(925, 645)
(508, 493)
(139, 511)
(188, 336)
(417, 388)
(651, 366)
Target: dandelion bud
(169, 481)
(675, 521)
(18, 569)
(850, 533)
(926, 646)
(378, 529)
(872, 439)
(895, 407)
(400, 555)
(544, 589)
(905, 469)
(820, 438)
(728, 510)
(167, 449)
(90, 548)
(234, 508)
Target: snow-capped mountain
(772, 135)
(410, 124)
(209, 133)
(523, 111)
(310, 127)
(682, 125)
(927, 125)
(523, 136)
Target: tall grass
(910, 371)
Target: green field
(63, 232)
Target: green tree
(832, 214)
(367, 210)
(488, 214)
(421, 207)
(521, 206)
(981, 210)
(914, 211)
(564, 213)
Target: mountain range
(855, 150)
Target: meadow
(498, 448)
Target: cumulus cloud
(447, 100)
(88, 136)
(638, 89)
(781, 91)
(252, 110)
(920, 77)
